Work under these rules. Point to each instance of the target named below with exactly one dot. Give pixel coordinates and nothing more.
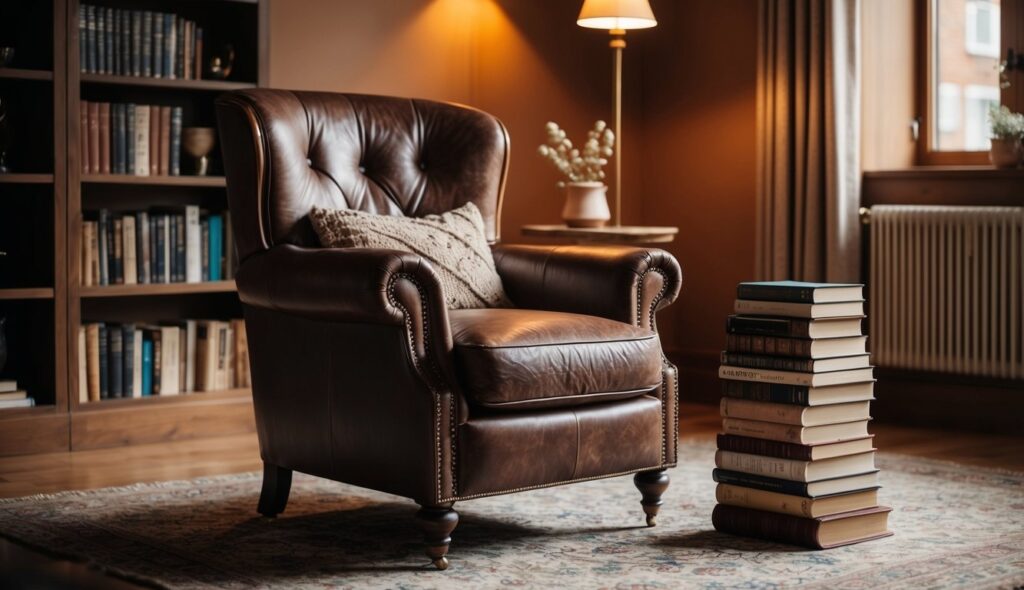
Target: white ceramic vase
(586, 205)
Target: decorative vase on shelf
(198, 142)
(586, 204)
(1005, 152)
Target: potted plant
(585, 202)
(1007, 135)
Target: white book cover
(193, 247)
(190, 355)
(141, 140)
(170, 358)
(137, 363)
(131, 276)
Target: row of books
(136, 139)
(795, 462)
(166, 245)
(138, 43)
(12, 397)
(137, 360)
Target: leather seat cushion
(518, 359)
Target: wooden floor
(20, 476)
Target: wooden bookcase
(41, 208)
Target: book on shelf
(744, 497)
(183, 244)
(796, 470)
(8, 385)
(794, 414)
(171, 358)
(824, 532)
(133, 139)
(781, 393)
(27, 402)
(804, 435)
(799, 310)
(13, 395)
(803, 365)
(138, 43)
(804, 348)
(787, 327)
(784, 450)
(813, 489)
(796, 377)
(800, 291)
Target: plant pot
(1005, 153)
(586, 205)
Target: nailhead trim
(438, 458)
(650, 317)
(557, 483)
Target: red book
(94, 137)
(154, 140)
(165, 140)
(104, 132)
(83, 133)
(197, 68)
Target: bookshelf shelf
(27, 293)
(197, 397)
(164, 83)
(25, 74)
(10, 413)
(195, 181)
(23, 178)
(158, 289)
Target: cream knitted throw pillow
(453, 242)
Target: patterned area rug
(956, 527)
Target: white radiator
(945, 289)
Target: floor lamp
(617, 16)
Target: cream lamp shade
(616, 14)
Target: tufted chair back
(286, 152)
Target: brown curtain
(808, 140)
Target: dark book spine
(768, 326)
(158, 249)
(763, 447)
(179, 247)
(108, 40)
(104, 347)
(179, 47)
(172, 249)
(116, 360)
(154, 230)
(783, 528)
(169, 46)
(129, 137)
(156, 361)
(90, 38)
(117, 252)
(136, 42)
(766, 392)
(772, 363)
(101, 40)
(158, 45)
(175, 155)
(115, 41)
(142, 247)
(197, 54)
(204, 245)
(104, 240)
(775, 293)
(83, 39)
(128, 345)
(771, 345)
(120, 138)
(147, 43)
(759, 482)
(126, 42)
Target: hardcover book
(794, 470)
(827, 487)
(794, 327)
(805, 348)
(795, 505)
(793, 414)
(796, 378)
(784, 450)
(804, 435)
(780, 363)
(800, 292)
(802, 395)
(800, 310)
(817, 533)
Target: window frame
(1011, 35)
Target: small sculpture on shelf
(198, 142)
(222, 61)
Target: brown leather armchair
(360, 374)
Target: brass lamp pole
(617, 16)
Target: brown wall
(689, 109)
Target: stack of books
(135, 360)
(795, 463)
(138, 43)
(128, 138)
(163, 245)
(12, 397)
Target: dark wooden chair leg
(652, 484)
(437, 524)
(277, 481)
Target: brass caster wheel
(441, 564)
(652, 520)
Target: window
(961, 47)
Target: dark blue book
(147, 43)
(116, 251)
(83, 39)
(153, 231)
(101, 40)
(126, 42)
(104, 350)
(128, 366)
(759, 482)
(800, 292)
(179, 248)
(120, 138)
(115, 42)
(90, 38)
(169, 45)
(158, 255)
(116, 360)
(175, 147)
(135, 47)
(172, 249)
(108, 40)
(147, 363)
(103, 227)
(216, 246)
(129, 132)
(179, 49)
(158, 45)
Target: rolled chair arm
(621, 283)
